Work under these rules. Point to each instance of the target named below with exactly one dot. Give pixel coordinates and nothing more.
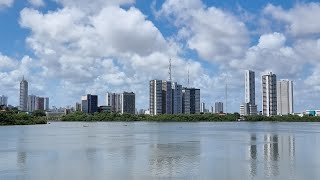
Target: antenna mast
(170, 73)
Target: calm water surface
(160, 151)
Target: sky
(69, 48)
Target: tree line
(14, 117)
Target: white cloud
(37, 3)
(6, 63)
(215, 34)
(6, 3)
(300, 20)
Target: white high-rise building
(249, 107)
(284, 97)
(155, 98)
(46, 103)
(4, 100)
(203, 107)
(23, 95)
(176, 98)
(218, 107)
(269, 94)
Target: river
(144, 150)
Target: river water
(143, 150)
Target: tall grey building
(23, 95)
(128, 103)
(46, 103)
(155, 99)
(114, 100)
(39, 103)
(89, 103)
(203, 107)
(269, 94)
(4, 100)
(284, 97)
(166, 97)
(31, 103)
(249, 107)
(176, 98)
(218, 107)
(190, 101)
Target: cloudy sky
(67, 48)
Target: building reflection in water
(171, 160)
(274, 148)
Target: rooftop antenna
(170, 73)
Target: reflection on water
(160, 151)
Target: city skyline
(63, 64)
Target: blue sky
(67, 48)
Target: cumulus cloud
(300, 20)
(37, 3)
(215, 34)
(6, 3)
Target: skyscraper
(166, 97)
(39, 103)
(114, 100)
(128, 103)
(46, 103)
(249, 107)
(269, 94)
(203, 107)
(284, 97)
(89, 103)
(3, 100)
(190, 101)
(176, 98)
(218, 107)
(155, 98)
(31, 103)
(23, 95)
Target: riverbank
(107, 117)
(10, 118)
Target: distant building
(203, 107)
(23, 95)
(284, 97)
(105, 109)
(155, 99)
(218, 107)
(78, 107)
(190, 101)
(46, 103)
(166, 97)
(128, 103)
(31, 103)
(3, 100)
(249, 107)
(269, 94)
(39, 103)
(114, 100)
(89, 103)
(176, 98)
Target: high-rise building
(284, 97)
(176, 98)
(89, 103)
(218, 107)
(31, 103)
(269, 94)
(46, 103)
(3, 100)
(39, 103)
(203, 107)
(190, 101)
(128, 103)
(114, 100)
(249, 107)
(166, 97)
(23, 95)
(78, 106)
(155, 97)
